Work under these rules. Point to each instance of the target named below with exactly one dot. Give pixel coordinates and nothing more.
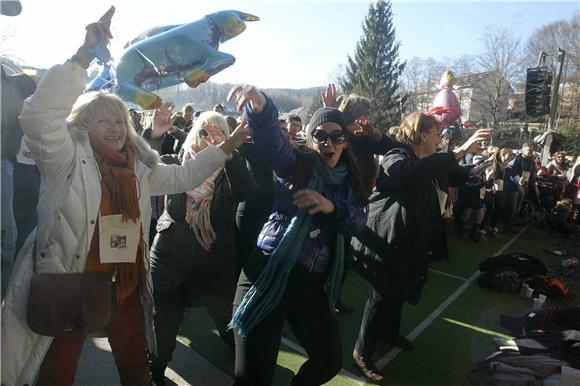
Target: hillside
(207, 95)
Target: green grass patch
(446, 352)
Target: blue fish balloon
(169, 55)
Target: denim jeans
(513, 203)
(9, 232)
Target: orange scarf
(119, 196)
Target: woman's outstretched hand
(474, 143)
(329, 96)
(96, 33)
(214, 135)
(162, 120)
(243, 94)
(313, 201)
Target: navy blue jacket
(347, 218)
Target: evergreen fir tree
(314, 105)
(375, 70)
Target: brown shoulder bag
(70, 304)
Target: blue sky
(296, 44)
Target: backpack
(548, 286)
(524, 265)
(506, 273)
(502, 281)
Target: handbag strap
(34, 256)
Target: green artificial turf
(446, 352)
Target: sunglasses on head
(337, 137)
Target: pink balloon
(447, 100)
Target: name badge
(498, 185)
(118, 240)
(526, 176)
(442, 196)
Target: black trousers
(304, 306)
(169, 315)
(381, 320)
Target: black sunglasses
(337, 137)
(203, 134)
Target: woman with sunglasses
(294, 273)
(193, 255)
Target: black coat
(363, 149)
(404, 212)
(253, 212)
(178, 259)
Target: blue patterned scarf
(269, 288)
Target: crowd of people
(257, 219)
(513, 187)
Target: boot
(474, 233)
(158, 375)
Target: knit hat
(323, 115)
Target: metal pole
(556, 88)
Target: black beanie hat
(323, 115)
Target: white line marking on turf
(447, 274)
(381, 363)
(358, 380)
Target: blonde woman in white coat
(77, 153)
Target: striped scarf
(198, 208)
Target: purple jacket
(348, 219)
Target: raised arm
(262, 117)
(44, 113)
(404, 170)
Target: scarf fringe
(198, 211)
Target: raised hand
(162, 120)
(474, 143)
(96, 33)
(242, 132)
(313, 201)
(244, 94)
(214, 135)
(329, 96)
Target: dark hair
(180, 122)
(294, 118)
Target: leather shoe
(367, 367)
(401, 342)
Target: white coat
(68, 208)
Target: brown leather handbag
(70, 304)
